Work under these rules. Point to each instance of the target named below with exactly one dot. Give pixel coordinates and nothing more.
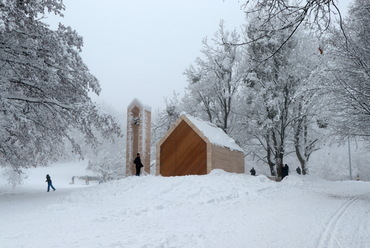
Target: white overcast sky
(140, 49)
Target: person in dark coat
(253, 171)
(284, 171)
(298, 170)
(50, 184)
(138, 164)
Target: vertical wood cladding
(183, 153)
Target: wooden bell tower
(138, 136)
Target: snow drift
(216, 210)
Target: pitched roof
(136, 102)
(214, 134)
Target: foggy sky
(140, 49)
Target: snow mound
(216, 210)
(218, 172)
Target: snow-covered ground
(217, 210)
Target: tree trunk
(272, 169)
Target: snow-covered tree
(309, 109)
(269, 93)
(108, 161)
(348, 99)
(45, 87)
(289, 16)
(107, 158)
(164, 119)
(214, 80)
(350, 72)
(278, 106)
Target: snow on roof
(136, 102)
(214, 134)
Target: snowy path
(217, 210)
(329, 235)
(354, 212)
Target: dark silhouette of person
(284, 171)
(138, 164)
(298, 170)
(50, 184)
(253, 171)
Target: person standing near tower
(138, 164)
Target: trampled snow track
(329, 236)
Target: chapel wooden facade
(187, 150)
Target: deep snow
(217, 210)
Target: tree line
(289, 80)
(281, 86)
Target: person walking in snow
(284, 171)
(253, 171)
(50, 184)
(298, 170)
(138, 164)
